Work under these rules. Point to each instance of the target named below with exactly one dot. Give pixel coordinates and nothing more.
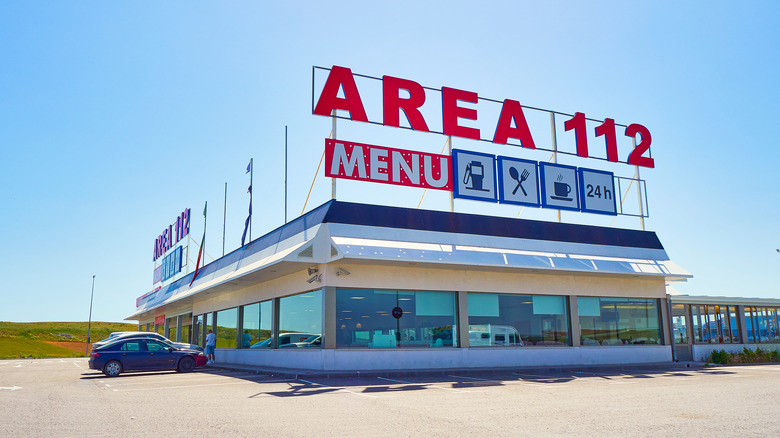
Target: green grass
(27, 348)
(29, 339)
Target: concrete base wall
(394, 359)
(703, 352)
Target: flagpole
(205, 218)
(202, 250)
(224, 219)
(251, 173)
(285, 173)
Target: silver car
(117, 335)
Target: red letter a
(329, 100)
(513, 111)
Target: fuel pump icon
(475, 173)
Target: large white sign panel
(518, 181)
(559, 186)
(474, 175)
(597, 191)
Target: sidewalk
(292, 373)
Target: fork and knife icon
(519, 178)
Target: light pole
(92, 294)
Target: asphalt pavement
(62, 397)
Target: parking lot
(63, 397)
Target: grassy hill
(52, 339)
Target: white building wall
(431, 359)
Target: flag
(249, 218)
(249, 167)
(202, 242)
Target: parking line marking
(422, 383)
(337, 388)
(195, 386)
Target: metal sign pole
(452, 193)
(333, 136)
(639, 193)
(555, 147)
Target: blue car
(143, 354)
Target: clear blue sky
(116, 116)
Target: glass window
(763, 324)
(155, 346)
(750, 324)
(171, 329)
(735, 335)
(185, 334)
(723, 324)
(508, 320)
(680, 323)
(300, 320)
(618, 321)
(698, 326)
(257, 325)
(227, 324)
(713, 326)
(772, 325)
(197, 330)
(131, 346)
(365, 319)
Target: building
(705, 323)
(356, 286)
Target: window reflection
(300, 321)
(714, 324)
(171, 333)
(257, 324)
(508, 320)
(761, 324)
(364, 319)
(618, 321)
(197, 330)
(680, 323)
(227, 323)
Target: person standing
(211, 344)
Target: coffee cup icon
(562, 189)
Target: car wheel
(112, 368)
(186, 364)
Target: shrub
(720, 357)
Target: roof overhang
(370, 234)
